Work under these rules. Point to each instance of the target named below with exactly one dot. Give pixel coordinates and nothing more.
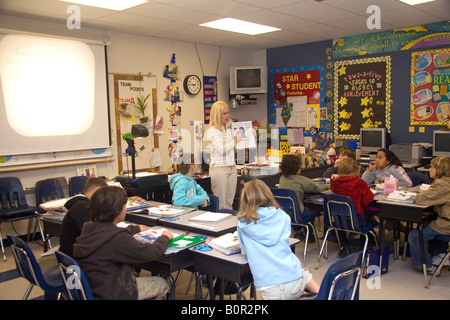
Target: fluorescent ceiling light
(234, 25)
(109, 4)
(414, 2)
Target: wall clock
(192, 84)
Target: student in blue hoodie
(186, 191)
(264, 230)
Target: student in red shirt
(348, 183)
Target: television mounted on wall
(248, 79)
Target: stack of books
(137, 203)
(167, 211)
(210, 219)
(227, 244)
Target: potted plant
(141, 105)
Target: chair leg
(438, 270)
(1, 243)
(323, 246)
(41, 231)
(190, 282)
(27, 293)
(306, 245)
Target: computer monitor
(441, 143)
(372, 139)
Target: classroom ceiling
(301, 21)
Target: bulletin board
(430, 87)
(296, 96)
(127, 88)
(362, 95)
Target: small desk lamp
(137, 131)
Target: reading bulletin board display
(430, 87)
(126, 89)
(362, 96)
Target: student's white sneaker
(436, 260)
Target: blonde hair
(442, 166)
(349, 167)
(215, 117)
(254, 195)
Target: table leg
(172, 287)
(422, 251)
(382, 234)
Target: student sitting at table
(264, 230)
(437, 196)
(385, 165)
(349, 184)
(344, 152)
(77, 215)
(106, 253)
(290, 168)
(186, 191)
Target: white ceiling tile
(407, 17)
(316, 11)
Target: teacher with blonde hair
(221, 145)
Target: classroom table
(170, 262)
(408, 212)
(234, 268)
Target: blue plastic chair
(213, 204)
(224, 210)
(14, 206)
(46, 190)
(342, 215)
(342, 279)
(417, 177)
(76, 286)
(77, 184)
(446, 258)
(49, 280)
(287, 199)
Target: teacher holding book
(221, 145)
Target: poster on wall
(209, 95)
(128, 90)
(430, 87)
(362, 96)
(296, 96)
(418, 37)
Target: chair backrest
(12, 196)
(77, 184)
(46, 190)
(417, 178)
(287, 199)
(213, 204)
(342, 279)
(75, 282)
(26, 263)
(341, 211)
(224, 210)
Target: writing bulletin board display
(362, 96)
(430, 87)
(296, 96)
(127, 88)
